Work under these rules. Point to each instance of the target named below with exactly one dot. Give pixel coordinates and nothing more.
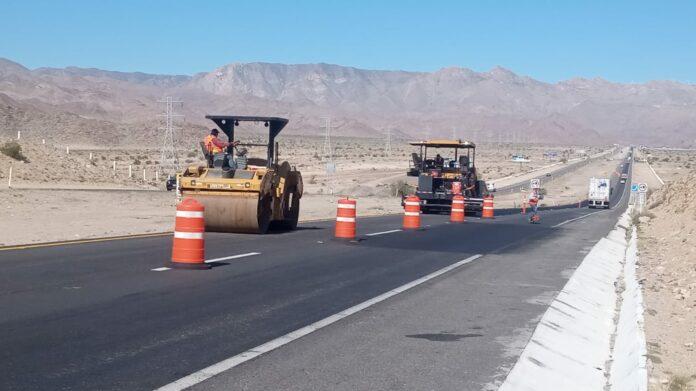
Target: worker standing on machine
(534, 204)
(214, 145)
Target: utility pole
(168, 157)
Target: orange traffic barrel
(188, 251)
(345, 219)
(524, 207)
(457, 211)
(412, 212)
(487, 212)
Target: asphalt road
(96, 316)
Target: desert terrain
(667, 251)
(59, 183)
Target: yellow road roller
(243, 193)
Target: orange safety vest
(533, 201)
(210, 146)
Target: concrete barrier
(572, 343)
(628, 371)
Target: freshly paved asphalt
(95, 316)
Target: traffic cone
(412, 212)
(345, 219)
(487, 212)
(188, 250)
(457, 211)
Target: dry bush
(13, 150)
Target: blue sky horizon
(620, 41)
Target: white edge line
(227, 364)
(231, 257)
(383, 232)
(654, 173)
(160, 269)
(577, 218)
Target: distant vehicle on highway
(520, 159)
(598, 195)
(624, 178)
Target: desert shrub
(313, 180)
(400, 188)
(136, 161)
(13, 150)
(192, 154)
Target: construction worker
(439, 161)
(214, 145)
(534, 204)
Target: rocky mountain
(493, 105)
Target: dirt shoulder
(667, 255)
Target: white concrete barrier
(571, 345)
(628, 371)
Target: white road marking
(577, 218)
(231, 257)
(383, 232)
(164, 269)
(222, 366)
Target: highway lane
(95, 315)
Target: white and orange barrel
(412, 212)
(345, 219)
(188, 250)
(457, 211)
(487, 212)
(524, 207)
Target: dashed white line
(383, 232)
(231, 257)
(164, 269)
(222, 366)
(571, 220)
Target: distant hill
(482, 105)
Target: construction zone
(241, 193)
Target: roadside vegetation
(14, 151)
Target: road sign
(642, 187)
(634, 188)
(535, 183)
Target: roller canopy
(227, 123)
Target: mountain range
(90, 105)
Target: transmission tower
(328, 150)
(168, 157)
(387, 146)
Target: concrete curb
(572, 343)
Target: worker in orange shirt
(214, 145)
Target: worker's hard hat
(214, 131)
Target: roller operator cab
(244, 193)
(445, 168)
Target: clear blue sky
(627, 41)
